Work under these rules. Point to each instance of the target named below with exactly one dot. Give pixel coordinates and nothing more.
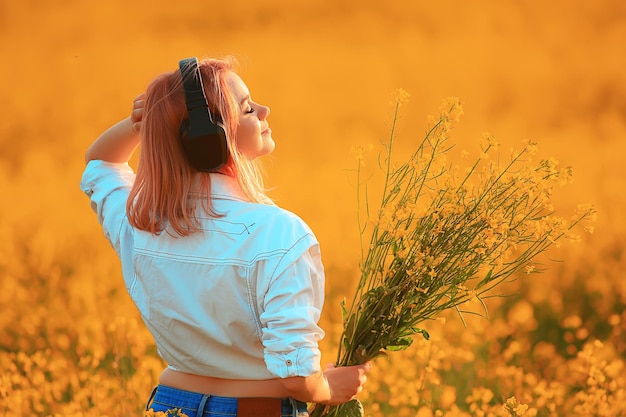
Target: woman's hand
(136, 115)
(345, 382)
(332, 386)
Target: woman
(230, 285)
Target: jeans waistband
(195, 404)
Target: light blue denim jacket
(240, 299)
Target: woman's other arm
(332, 386)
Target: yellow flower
(489, 142)
(451, 109)
(531, 269)
(400, 96)
(614, 320)
(531, 147)
(175, 412)
(572, 322)
(359, 153)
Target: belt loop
(294, 407)
(149, 403)
(202, 405)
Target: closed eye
(246, 100)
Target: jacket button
(289, 363)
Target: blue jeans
(194, 404)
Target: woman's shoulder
(279, 217)
(274, 223)
(284, 233)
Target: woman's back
(212, 298)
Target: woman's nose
(264, 112)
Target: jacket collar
(226, 187)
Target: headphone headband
(204, 142)
(192, 83)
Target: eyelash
(250, 110)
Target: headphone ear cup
(205, 145)
(183, 130)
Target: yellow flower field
(72, 343)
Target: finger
(136, 115)
(364, 368)
(358, 391)
(139, 101)
(330, 365)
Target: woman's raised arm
(118, 142)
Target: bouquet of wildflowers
(443, 236)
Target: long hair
(165, 180)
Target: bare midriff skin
(223, 387)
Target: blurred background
(548, 71)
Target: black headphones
(203, 140)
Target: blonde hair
(165, 180)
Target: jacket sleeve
(108, 186)
(292, 309)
